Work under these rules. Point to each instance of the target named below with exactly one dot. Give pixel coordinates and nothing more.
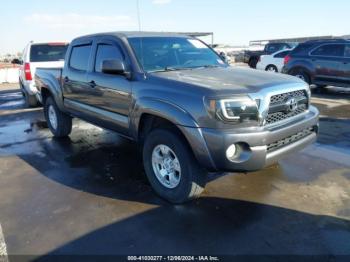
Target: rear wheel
(59, 123)
(171, 168)
(271, 68)
(302, 75)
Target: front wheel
(171, 168)
(59, 123)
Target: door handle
(92, 84)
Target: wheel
(302, 75)
(59, 123)
(253, 62)
(171, 168)
(271, 68)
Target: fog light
(231, 151)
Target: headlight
(236, 109)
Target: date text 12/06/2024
(173, 258)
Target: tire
(271, 68)
(191, 179)
(62, 126)
(302, 75)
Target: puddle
(111, 163)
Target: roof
(129, 34)
(300, 39)
(332, 40)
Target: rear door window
(79, 58)
(329, 50)
(47, 52)
(106, 52)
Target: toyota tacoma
(188, 110)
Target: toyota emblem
(292, 104)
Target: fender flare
(159, 108)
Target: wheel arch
(307, 67)
(271, 65)
(153, 113)
(49, 86)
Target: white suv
(38, 55)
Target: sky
(234, 22)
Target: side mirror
(113, 67)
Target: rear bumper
(255, 146)
(260, 66)
(30, 87)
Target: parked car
(38, 55)
(252, 57)
(321, 62)
(273, 62)
(189, 111)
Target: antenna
(138, 14)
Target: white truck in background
(43, 55)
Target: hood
(230, 79)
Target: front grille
(280, 100)
(289, 140)
(282, 97)
(278, 116)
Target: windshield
(48, 52)
(173, 53)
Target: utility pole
(138, 14)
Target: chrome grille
(282, 97)
(280, 100)
(289, 140)
(278, 116)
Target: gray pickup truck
(188, 110)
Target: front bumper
(255, 147)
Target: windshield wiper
(169, 68)
(208, 66)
